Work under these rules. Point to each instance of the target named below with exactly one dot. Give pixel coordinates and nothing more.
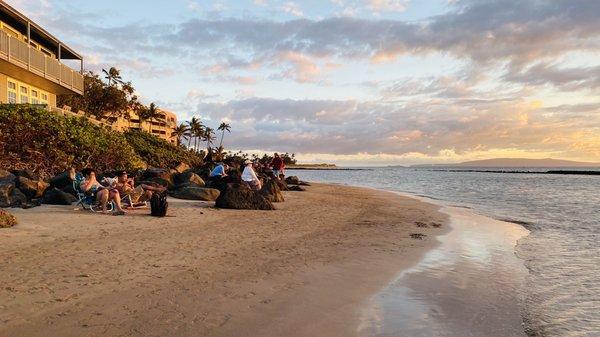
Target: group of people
(249, 175)
(115, 190)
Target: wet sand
(469, 285)
(306, 269)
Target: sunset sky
(358, 82)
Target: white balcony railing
(19, 53)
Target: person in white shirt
(249, 176)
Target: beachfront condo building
(32, 62)
(162, 126)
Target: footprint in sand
(418, 236)
(421, 224)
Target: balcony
(21, 54)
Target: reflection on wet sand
(470, 285)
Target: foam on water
(562, 292)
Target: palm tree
(151, 114)
(223, 127)
(113, 75)
(196, 130)
(181, 131)
(209, 137)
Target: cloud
(292, 8)
(428, 128)
(388, 5)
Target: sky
(357, 82)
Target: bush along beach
(40, 153)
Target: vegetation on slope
(46, 143)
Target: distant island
(516, 162)
(324, 167)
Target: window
(24, 95)
(12, 92)
(34, 97)
(12, 97)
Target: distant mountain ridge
(517, 162)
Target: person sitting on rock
(126, 186)
(220, 171)
(249, 176)
(103, 195)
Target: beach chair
(129, 204)
(88, 202)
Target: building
(33, 71)
(31, 62)
(161, 127)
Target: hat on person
(248, 161)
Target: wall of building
(3, 89)
(162, 128)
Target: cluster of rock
(22, 188)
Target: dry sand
(306, 269)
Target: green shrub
(47, 143)
(157, 152)
(36, 139)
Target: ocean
(561, 294)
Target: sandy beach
(306, 269)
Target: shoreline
(217, 272)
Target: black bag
(158, 204)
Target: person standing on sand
(277, 165)
(249, 176)
(103, 194)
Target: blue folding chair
(86, 200)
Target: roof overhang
(39, 34)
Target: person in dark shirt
(277, 165)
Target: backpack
(158, 204)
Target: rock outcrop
(6, 177)
(188, 177)
(31, 188)
(271, 191)
(240, 196)
(196, 193)
(292, 180)
(55, 196)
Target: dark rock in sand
(63, 180)
(296, 188)
(195, 193)
(29, 174)
(58, 197)
(271, 191)
(17, 198)
(282, 184)
(7, 220)
(182, 167)
(5, 195)
(240, 196)
(70, 189)
(31, 188)
(292, 180)
(6, 177)
(303, 183)
(154, 173)
(188, 177)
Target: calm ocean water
(562, 253)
